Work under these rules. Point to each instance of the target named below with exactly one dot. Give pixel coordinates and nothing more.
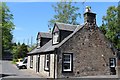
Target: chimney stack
(89, 17)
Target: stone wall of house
(44, 73)
(34, 62)
(28, 63)
(51, 65)
(41, 67)
(50, 73)
(87, 46)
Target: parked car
(19, 60)
(22, 64)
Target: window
(112, 62)
(67, 65)
(47, 62)
(38, 43)
(31, 61)
(55, 37)
(25, 61)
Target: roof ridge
(44, 32)
(65, 23)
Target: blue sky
(32, 17)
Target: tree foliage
(111, 25)
(65, 13)
(7, 27)
(30, 48)
(19, 51)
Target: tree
(118, 25)
(7, 27)
(19, 51)
(30, 48)
(0, 14)
(15, 51)
(23, 51)
(111, 25)
(65, 13)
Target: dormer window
(38, 43)
(61, 31)
(55, 37)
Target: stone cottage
(74, 51)
(34, 58)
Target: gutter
(40, 52)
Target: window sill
(38, 47)
(55, 43)
(67, 71)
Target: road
(9, 70)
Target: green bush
(14, 61)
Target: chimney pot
(88, 9)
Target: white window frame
(69, 62)
(55, 37)
(47, 62)
(112, 60)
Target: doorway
(37, 63)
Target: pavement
(9, 70)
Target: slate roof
(44, 35)
(67, 27)
(49, 47)
(42, 49)
(35, 50)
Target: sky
(32, 17)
